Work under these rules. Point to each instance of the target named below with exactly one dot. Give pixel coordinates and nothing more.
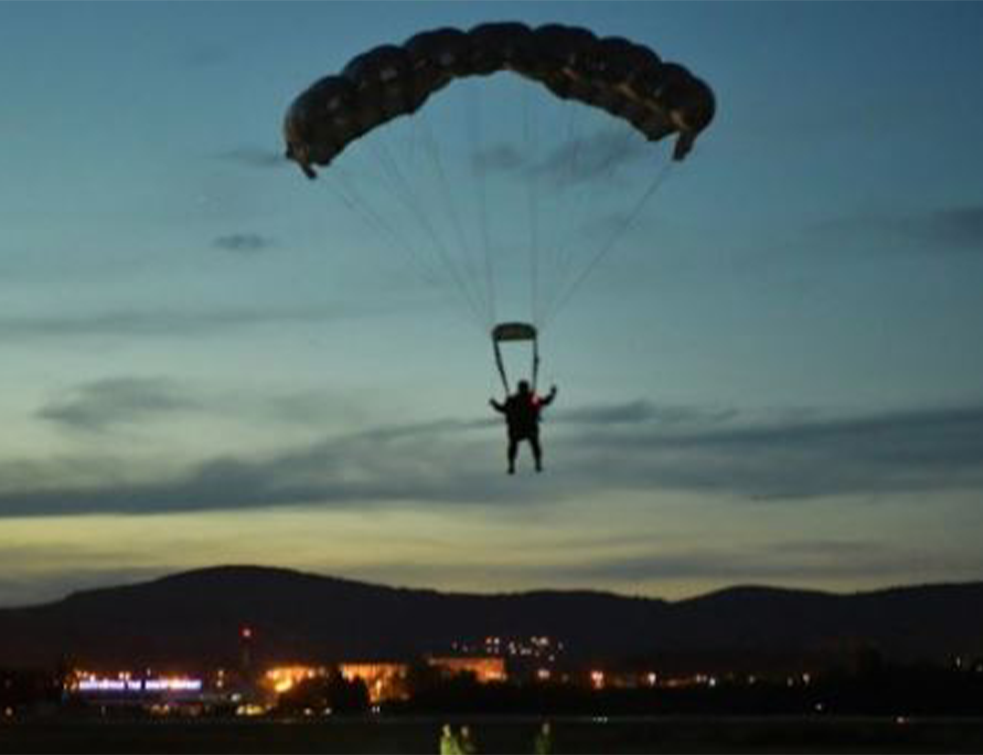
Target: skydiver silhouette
(522, 410)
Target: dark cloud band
(601, 450)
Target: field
(512, 735)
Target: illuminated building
(158, 695)
(282, 679)
(484, 669)
(385, 681)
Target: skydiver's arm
(497, 406)
(547, 400)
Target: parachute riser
(515, 331)
(501, 367)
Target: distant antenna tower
(245, 651)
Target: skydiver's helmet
(524, 387)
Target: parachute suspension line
(409, 198)
(432, 149)
(613, 239)
(610, 155)
(473, 116)
(572, 137)
(576, 185)
(561, 181)
(378, 173)
(352, 199)
(532, 188)
(425, 263)
(413, 138)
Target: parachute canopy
(626, 79)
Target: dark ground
(498, 735)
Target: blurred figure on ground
(466, 742)
(448, 742)
(543, 743)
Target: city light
(128, 684)
(484, 669)
(284, 678)
(384, 681)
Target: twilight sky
(774, 377)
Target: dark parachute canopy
(625, 79)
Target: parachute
(618, 77)
(625, 79)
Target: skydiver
(522, 410)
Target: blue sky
(773, 378)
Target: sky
(770, 377)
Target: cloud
(573, 162)
(915, 450)
(97, 406)
(37, 572)
(598, 450)
(106, 404)
(254, 157)
(591, 158)
(957, 228)
(639, 566)
(639, 412)
(782, 561)
(245, 244)
(162, 322)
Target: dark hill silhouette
(194, 618)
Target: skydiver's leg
(513, 451)
(537, 451)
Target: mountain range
(196, 619)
